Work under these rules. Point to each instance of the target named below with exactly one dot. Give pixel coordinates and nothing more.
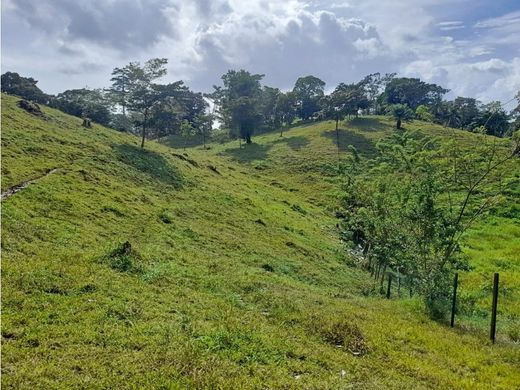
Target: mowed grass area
(236, 278)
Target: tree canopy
(25, 87)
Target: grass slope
(236, 278)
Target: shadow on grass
(148, 162)
(248, 152)
(368, 124)
(364, 146)
(295, 143)
(179, 142)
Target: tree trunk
(337, 134)
(145, 119)
(383, 275)
(248, 138)
(398, 124)
(204, 139)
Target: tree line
(136, 102)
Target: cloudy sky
(469, 46)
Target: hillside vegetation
(220, 268)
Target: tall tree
(374, 84)
(515, 114)
(269, 98)
(285, 109)
(239, 102)
(494, 119)
(466, 111)
(308, 92)
(413, 92)
(143, 92)
(119, 90)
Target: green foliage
(410, 210)
(307, 93)
(413, 92)
(124, 258)
(401, 113)
(25, 87)
(84, 103)
(239, 102)
(423, 113)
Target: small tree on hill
(401, 113)
(423, 113)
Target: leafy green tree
(25, 87)
(269, 108)
(308, 91)
(466, 111)
(350, 98)
(401, 113)
(285, 110)
(423, 113)
(203, 124)
(143, 92)
(515, 114)
(413, 92)
(119, 90)
(85, 103)
(374, 84)
(495, 119)
(410, 209)
(239, 102)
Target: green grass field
(236, 277)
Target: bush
(124, 259)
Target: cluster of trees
(136, 102)
(409, 208)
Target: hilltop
(234, 275)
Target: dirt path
(18, 187)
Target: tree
(515, 114)
(307, 92)
(119, 90)
(401, 113)
(239, 102)
(285, 110)
(423, 113)
(350, 98)
(466, 112)
(84, 103)
(410, 209)
(143, 92)
(202, 125)
(413, 92)
(494, 119)
(24, 87)
(269, 98)
(374, 84)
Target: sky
(471, 47)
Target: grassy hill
(235, 277)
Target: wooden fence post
(454, 300)
(389, 285)
(492, 333)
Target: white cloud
(68, 44)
